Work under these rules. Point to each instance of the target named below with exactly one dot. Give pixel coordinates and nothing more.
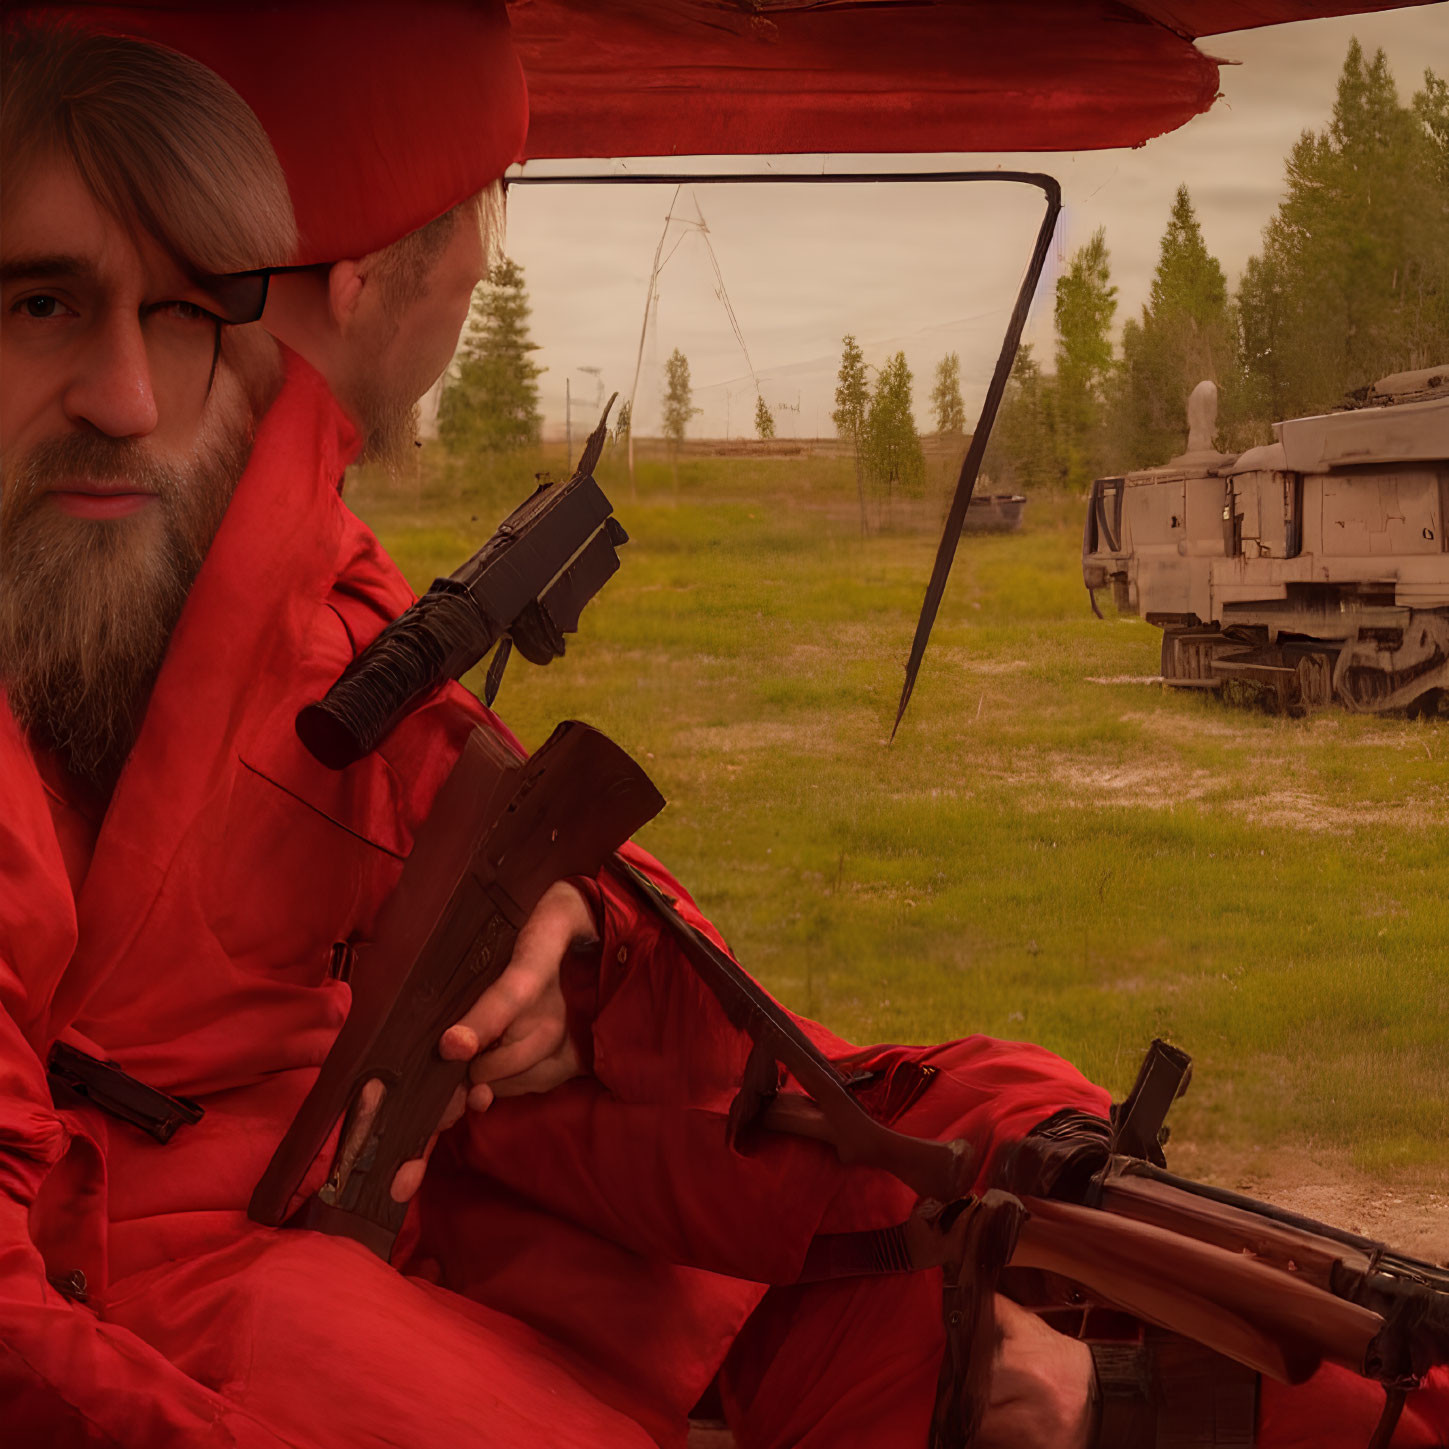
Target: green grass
(1037, 855)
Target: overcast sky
(924, 269)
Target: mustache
(56, 462)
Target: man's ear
(346, 282)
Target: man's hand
(1041, 1386)
(516, 1036)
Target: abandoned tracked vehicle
(1315, 567)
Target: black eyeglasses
(241, 297)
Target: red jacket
(196, 954)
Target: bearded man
(85, 611)
(179, 876)
(181, 890)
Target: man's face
(414, 341)
(119, 451)
(429, 329)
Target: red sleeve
(67, 1378)
(658, 1032)
(641, 1153)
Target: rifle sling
(942, 1171)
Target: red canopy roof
(678, 77)
(385, 113)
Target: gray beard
(87, 606)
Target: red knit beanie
(383, 115)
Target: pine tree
(891, 446)
(1022, 453)
(1353, 278)
(491, 402)
(678, 399)
(946, 403)
(851, 400)
(764, 419)
(1186, 334)
(1086, 302)
(622, 422)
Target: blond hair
(161, 142)
(403, 267)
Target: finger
(459, 1044)
(480, 1097)
(544, 1076)
(513, 1057)
(457, 1105)
(494, 1011)
(573, 913)
(409, 1177)
(560, 919)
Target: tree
(764, 419)
(1086, 302)
(1431, 106)
(622, 422)
(891, 445)
(1022, 453)
(678, 399)
(491, 402)
(946, 404)
(851, 400)
(1352, 281)
(1051, 431)
(1185, 334)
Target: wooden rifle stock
(1228, 1301)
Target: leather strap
(857, 1255)
(1395, 1396)
(968, 1307)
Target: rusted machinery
(1315, 568)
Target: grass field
(1050, 850)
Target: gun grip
(502, 831)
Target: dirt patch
(1155, 780)
(1300, 810)
(995, 666)
(1173, 727)
(1085, 781)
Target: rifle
(526, 586)
(1273, 1291)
